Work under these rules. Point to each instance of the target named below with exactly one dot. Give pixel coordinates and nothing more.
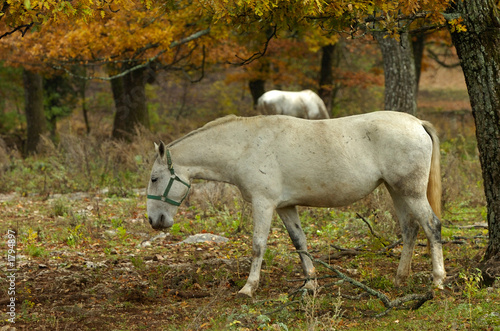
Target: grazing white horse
(279, 162)
(303, 104)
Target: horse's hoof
(245, 291)
(400, 281)
(439, 285)
(311, 286)
(438, 280)
(243, 295)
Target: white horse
(279, 162)
(303, 104)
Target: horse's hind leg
(409, 230)
(290, 218)
(412, 212)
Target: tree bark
(418, 45)
(259, 74)
(35, 116)
(119, 96)
(256, 89)
(326, 88)
(58, 96)
(81, 86)
(478, 49)
(399, 72)
(129, 93)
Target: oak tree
(478, 47)
(35, 116)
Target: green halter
(173, 178)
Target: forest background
(86, 87)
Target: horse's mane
(209, 125)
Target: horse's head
(166, 190)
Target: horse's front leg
(262, 216)
(291, 219)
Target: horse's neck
(206, 156)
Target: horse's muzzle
(161, 223)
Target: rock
(147, 242)
(110, 233)
(94, 265)
(204, 237)
(158, 257)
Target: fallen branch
(388, 304)
(355, 251)
(342, 249)
(483, 225)
(382, 241)
(342, 252)
(394, 244)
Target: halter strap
(173, 178)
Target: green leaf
(27, 4)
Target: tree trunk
(84, 107)
(256, 89)
(35, 116)
(121, 110)
(399, 72)
(418, 45)
(326, 75)
(259, 73)
(129, 93)
(81, 85)
(479, 53)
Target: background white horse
(279, 162)
(303, 104)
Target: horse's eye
(154, 179)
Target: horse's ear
(160, 149)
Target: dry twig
(388, 304)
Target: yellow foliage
(119, 30)
(81, 31)
(456, 25)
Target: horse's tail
(322, 110)
(323, 113)
(434, 189)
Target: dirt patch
(91, 270)
(131, 292)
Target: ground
(89, 263)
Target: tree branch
(435, 57)
(260, 54)
(192, 37)
(173, 45)
(388, 304)
(22, 28)
(363, 25)
(371, 229)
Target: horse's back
(352, 155)
(302, 104)
(272, 103)
(314, 105)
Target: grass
(79, 204)
(462, 305)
